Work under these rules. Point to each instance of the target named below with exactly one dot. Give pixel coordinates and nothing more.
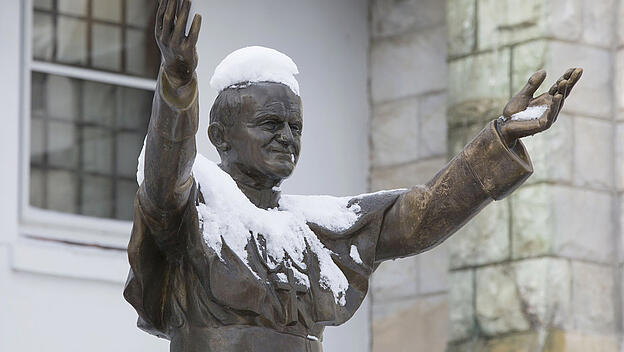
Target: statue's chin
(281, 170)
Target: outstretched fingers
(169, 20)
(194, 31)
(565, 84)
(511, 130)
(555, 87)
(554, 108)
(180, 23)
(521, 100)
(162, 5)
(534, 82)
(574, 77)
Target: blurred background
(391, 89)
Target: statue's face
(265, 140)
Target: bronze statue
(204, 297)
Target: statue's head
(257, 127)
(256, 120)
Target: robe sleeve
(164, 210)
(155, 284)
(169, 152)
(426, 215)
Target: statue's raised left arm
(489, 168)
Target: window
(108, 35)
(91, 85)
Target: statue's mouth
(285, 154)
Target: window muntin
(83, 152)
(88, 112)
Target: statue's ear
(216, 134)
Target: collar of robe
(262, 198)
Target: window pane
(96, 196)
(42, 41)
(60, 97)
(38, 89)
(95, 38)
(61, 187)
(73, 7)
(99, 101)
(37, 188)
(106, 43)
(109, 10)
(128, 149)
(135, 109)
(97, 148)
(43, 4)
(72, 41)
(62, 145)
(135, 54)
(141, 13)
(126, 191)
(85, 138)
(37, 141)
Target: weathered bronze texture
(183, 291)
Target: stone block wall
(543, 269)
(408, 146)
(538, 271)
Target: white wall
(68, 298)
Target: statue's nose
(286, 136)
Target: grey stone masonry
(541, 270)
(544, 266)
(408, 146)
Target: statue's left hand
(511, 129)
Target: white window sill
(75, 261)
(76, 229)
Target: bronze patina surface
(201, 301)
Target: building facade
(391, 90)
(540, 270)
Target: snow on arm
(333, 213)
(141, 165)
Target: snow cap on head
(255, 64)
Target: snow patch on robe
(228, 216)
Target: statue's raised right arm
(170, 144)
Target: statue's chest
(288, 282)
(280, 292)
(290, 286)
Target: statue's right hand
(178, 50)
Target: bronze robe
(184, 292)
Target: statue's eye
(295, 128)
(270, 125)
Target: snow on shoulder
(228, 217)
(255, 64)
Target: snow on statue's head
(256, 120)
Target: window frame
(49, 224)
